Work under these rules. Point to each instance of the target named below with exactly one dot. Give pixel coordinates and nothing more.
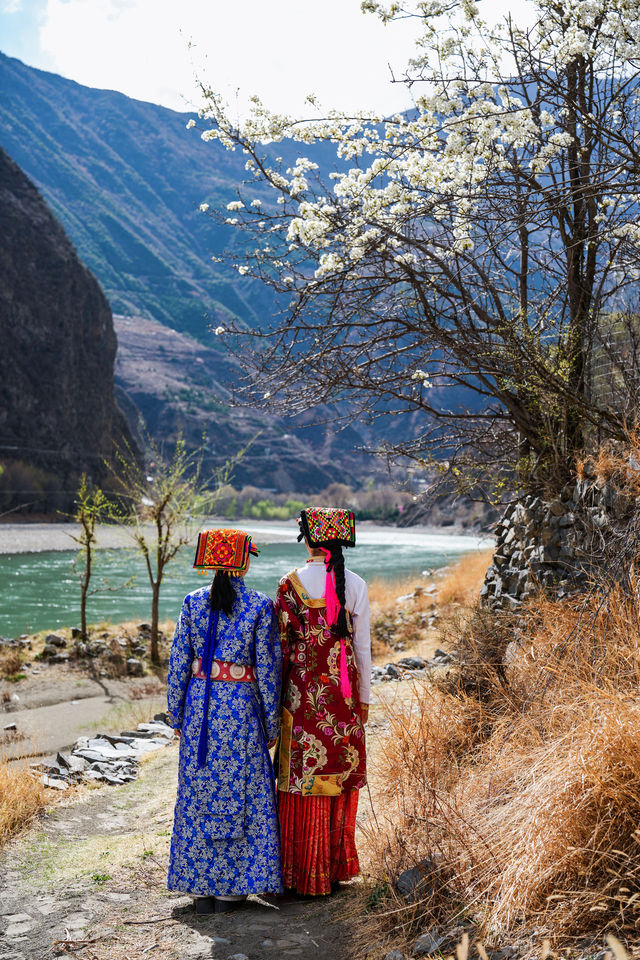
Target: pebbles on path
(408, 667)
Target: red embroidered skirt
(318, 838)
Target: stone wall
(557, 544)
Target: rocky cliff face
(57, 348)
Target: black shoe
(226, 906)
(205, 906)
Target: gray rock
(55, 640)
(505, 953)
(59, 658)
(405, 597)
(412, 663)
(96, 648)
(49, 650)
(414, 883)
(135, 667)
(393, 672)
(427, 944)
(394, 955)
(237, 956)
(56, 783)
(11, 726)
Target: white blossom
(219, 331)
(204, 207)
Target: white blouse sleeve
(357, 597)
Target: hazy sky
(280, 49)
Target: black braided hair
(222, 594)
(337, 564)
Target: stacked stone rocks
(556, 544)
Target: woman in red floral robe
(326, 681)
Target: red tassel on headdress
(333, 610)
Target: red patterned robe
(322, 760)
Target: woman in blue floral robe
(225, 838)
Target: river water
(41, 590)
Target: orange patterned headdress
(226, 550)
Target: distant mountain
(58, 416)
(180, 386)
(126, 178)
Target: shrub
(21, 798)
(520, 780)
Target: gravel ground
(89, 882)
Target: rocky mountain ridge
(58, 415)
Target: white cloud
(281, 50)
(11, 6)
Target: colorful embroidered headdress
(226, 550)
(329, 529)
(324, 526)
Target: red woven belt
(223, 670)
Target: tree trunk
(155, 653)
(85, 590)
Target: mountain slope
(125, 179)
(181, 386)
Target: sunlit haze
(284, 50)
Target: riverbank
(43, 537)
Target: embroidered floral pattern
(325, 750)
(225, 837)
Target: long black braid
(336, 563)
(222, 594)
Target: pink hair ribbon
(333, 610)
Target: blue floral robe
(225, 834)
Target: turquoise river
(41, 590)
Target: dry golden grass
(401, 626)
(461, 584)
(10, 661)
(22, 796)
(383, 594)
(526, 791)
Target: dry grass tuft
(10, 661)
(523, 789)
(22, 797)
(461, 584)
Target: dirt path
(94, 870)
